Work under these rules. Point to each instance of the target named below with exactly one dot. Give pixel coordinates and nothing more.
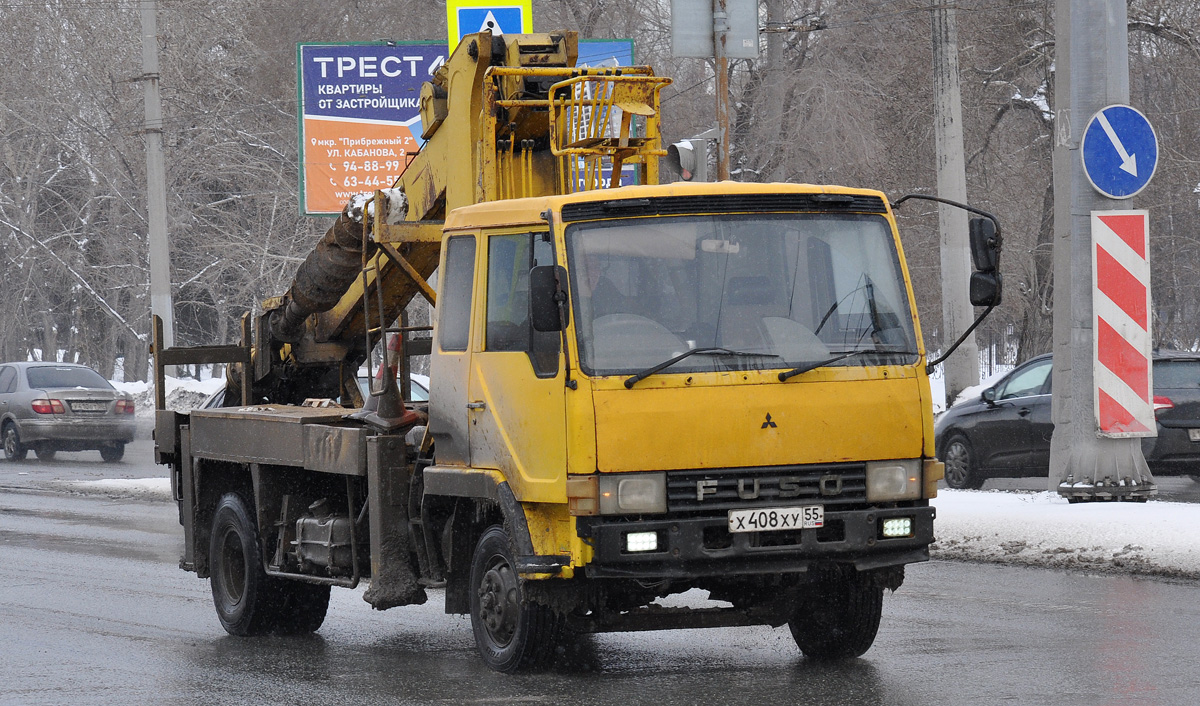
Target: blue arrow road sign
(500, 20)
(1120, 151)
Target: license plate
(1194, 434)
(89, 406)
(777, 518)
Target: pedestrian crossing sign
(470, 16)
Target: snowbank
(183, 394)
(1043, 529)
(140, 488)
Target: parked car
(52, 407)
(1005, 431)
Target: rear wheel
(246, 598)
(45, 453)
(960, 464)
(111, 453)
(510, 633)
(14, 450)
(840, 618)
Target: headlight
(632, 493)
(893, 480)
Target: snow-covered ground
(140, 488)
(183, 394)
(1043, 529)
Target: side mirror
(989, 395)
(985, 288)
(985, 250)
(547, 299)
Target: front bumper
(77, 432)
(702, 546)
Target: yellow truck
(636, 391)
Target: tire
(303, 607)
(246, 598)
(111, 453)
(840, 619)
(511, 634)
(961, 473)
(14, 450)
(45, 453)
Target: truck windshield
(782, 290)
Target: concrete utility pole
(773, 115)
(962, 369)
(1091, 72)
(156, 181)
(720, 36)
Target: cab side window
(1031, 381)
(510, 257)
(454, 315)
(8, 379)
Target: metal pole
(962, 369)
(720, 33)
(1091, 72)
(156, 190)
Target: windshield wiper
(630, 382)
(800, 370)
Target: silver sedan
(52, 407)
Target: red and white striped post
(1122, 372)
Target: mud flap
(393, 581)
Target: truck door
(451, 360)
(517, 389)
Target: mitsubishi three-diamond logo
(768, 423)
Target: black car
(1005, 431)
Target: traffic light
(687, 160)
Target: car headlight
(893, 480)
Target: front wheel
(511, 634)
(244, 596)
(840, 618)
(961, 473)
(45, 453)
(14, 450)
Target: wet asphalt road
(94, 611)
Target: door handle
(477, 405)
(1024, 411)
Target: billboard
(360, 117)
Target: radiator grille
(722, 489)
